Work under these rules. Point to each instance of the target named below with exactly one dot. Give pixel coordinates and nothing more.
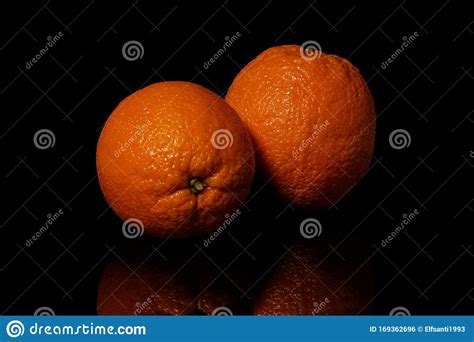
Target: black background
(76, 85)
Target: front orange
(176, 157)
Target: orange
(129, 286)
(312, 121)
(175, 156)
(313, 279)
(138, 281)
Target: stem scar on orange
(175, 156)
(312, 122)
